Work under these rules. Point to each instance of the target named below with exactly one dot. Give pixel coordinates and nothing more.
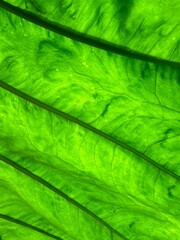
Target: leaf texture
(90, 139)
(150, 27)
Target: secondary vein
(82, 37)
(60, 193)
(87, 126)
(19, 222)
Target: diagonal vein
(88, 127)
(19, 222)
(82, 37)
(60, 193)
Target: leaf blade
(121, 179)
(124, 99)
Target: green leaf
(90, 138)
(150, 27)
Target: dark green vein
(60, 193)
(82, 37)
(19, 222)
(87, 126)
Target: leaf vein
(60, 193)
(88, 127)
(82, 37)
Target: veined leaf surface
(150, 27)
(90, 138)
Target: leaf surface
(90, 138)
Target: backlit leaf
(89, 136)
